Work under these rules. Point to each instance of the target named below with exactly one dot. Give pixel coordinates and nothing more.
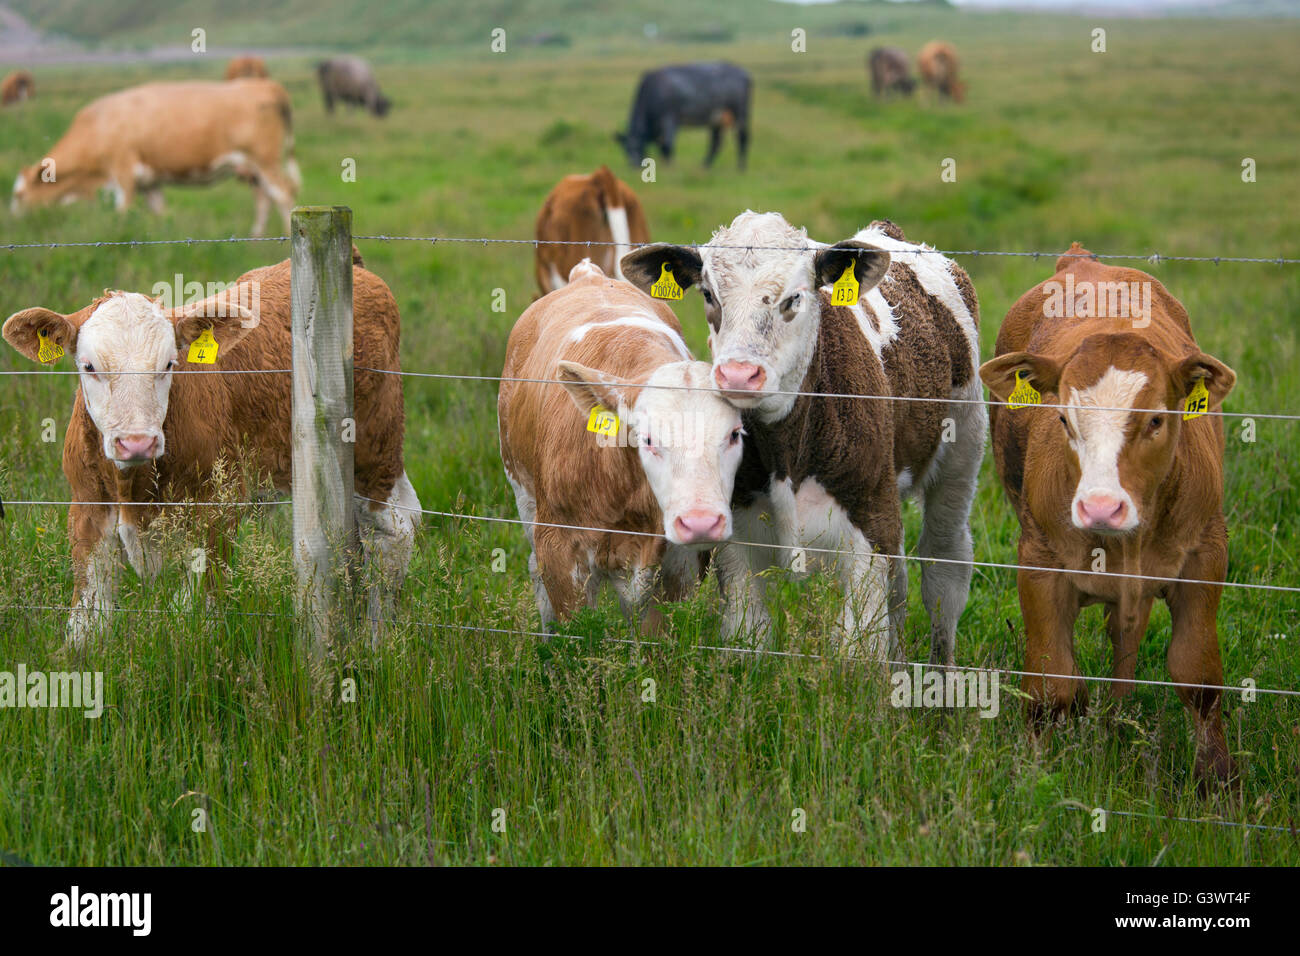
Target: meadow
(464, 711)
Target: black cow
(715, 95)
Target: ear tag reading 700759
(1198, 401)
(602, 421)
(203, 350)
(1024, 394)
(845, 290)
(49, 350)
(666, 287)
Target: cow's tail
(285, 107)
(607, 187)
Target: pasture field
(1136, 150)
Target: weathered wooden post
(324, 526)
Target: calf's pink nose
(136, 446)
(739, 377)
(1102, 511)
(700, 525)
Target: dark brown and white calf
(140, 436)
(666, 474)
(828, 472)
(1117, 481)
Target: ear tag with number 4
(602, 421)
(845, 290)
(1024, 394)
(666, 287)
(203, 350)
(49, 350)
(1198, 401)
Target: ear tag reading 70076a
(666, 287)
(1024, 394)
(1198, 401)
(203, 350)
(49, 350)
(602, 421)
(845, 290)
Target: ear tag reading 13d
(1198, 402)
(602, 421)
(845, 290)
(666, 287)
(49, 350)
(1024, 394)
(203, 350)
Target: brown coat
(246, 67)
(938, 64)
(17, 86)
(577, 210)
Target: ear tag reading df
(49, 350)
(602, 421)
(666, 287)
(845, 290)
(1024, 394)
(203, 350)
(1198, 402)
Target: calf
(140, 437)
(247, 67)
(350, 79)
(157, 134)
(661, 484)
(596, 208)
(715, 95)
(829, 471)
(17, 86)
(891, 71)
(938, 64)
(1116, 481)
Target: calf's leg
(387, 543)
(1126, 623)
(1050, 606)
(743, 588)
(92, 533)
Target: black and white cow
(828, 473)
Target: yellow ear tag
(203, 350)
(49, 350)
(1023, 394)
(845, 290)
(1198, 402)
(666, 287)
(602, 421)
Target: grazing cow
(827, 473)
(891, 71)
(247, 67)
(715, 95)
(350, 80)
(1115, 481)
(664, 480)
(17, 86)
(595, 208)
(160, 134)
(938, 64)
(140, 436)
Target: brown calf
(938, 64)
(247, 67)
(17, 86)
(1117, 481)
(595, 208)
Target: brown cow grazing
(140, 436)
(1116, 481)
(663, 479)
(938, 64)
(891, 71)
(595, 208)
(185, 133)
(247, 67)
(17, 86)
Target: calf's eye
(708, 296)
(1154, 425)
(88, 368)
(735, 436)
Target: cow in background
(891, 71)
(716, 95)
(598, 208)
(349, 79)
(17, 86)
(1125, 479)
(159, 134)
(938, 64)
(247, 68)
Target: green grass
(1137, 150)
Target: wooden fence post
(324, 525)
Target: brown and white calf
(666, 476)
(827, 473)
(140, 436)
(158, 134)
(595, 208)
(1116, 481)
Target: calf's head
(687, 439)
(760, 279)
(126, 347)
(1118, 432)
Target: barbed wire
(1207, 820)
(177, 371)
(157, 504)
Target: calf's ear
(1218, 378)
(999, 374)
(231, 315)
(23, 330)
(643, 267)
(869, 264)
(588, 387)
